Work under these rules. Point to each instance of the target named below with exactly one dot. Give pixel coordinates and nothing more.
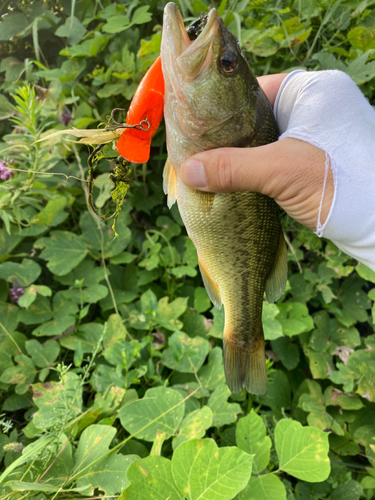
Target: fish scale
(238, 236)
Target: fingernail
(193, 174)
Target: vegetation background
(111, 376)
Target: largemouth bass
(213, 100)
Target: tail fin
(245, 365)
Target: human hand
(290, 170)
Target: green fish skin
(213, 100)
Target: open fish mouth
(189, 58)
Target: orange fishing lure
(148, 101)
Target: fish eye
(228, 62)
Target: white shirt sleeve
(326, 109)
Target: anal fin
(276, 281)
(210, 285)
(170, 183)
(244, 366)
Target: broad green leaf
(49, 212)
(151, 478)
(96, 468)
(38, 312)
(287, 351)
(160, 409)
(116, 24)
(362, 38)
(278, 393)
(203, 471)
(314, 404)
(223, 412)
(72, 29)
(294, 318)
(212, 375)
(63, 251)
(271, 326)
(350, 490)
(43, 355)
(57, 401)
(218, 323)
(265, 487)
(12, 24)
(193, 426)
(251, 436)
(360, 70)
(23, 374)
(25, 273)
(141, 15)
(88, 295)
(364, 271)
(185, 354)
(201, 300)
(8, 318)
(114, 330)
(54, 327)
(302, 451)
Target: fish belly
(237, 237)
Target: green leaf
(360, 70)
(278, 394)
(72, 29)
(12, 24)
(8, 318)
(266, 487)
(218, 323)
(57, 401)
(365, 272)
(142, 15)
(294, 318)
(94, 467)
(203, 471)
(193, 426)
(362, 38)
(43, 355)
(63, 250)
(350, 490)
(287, 351)
(223, 412)
(25, 273)
(55, 327)
(49, 212)
(302, 451)
(116, 24)
(201, 300)
(23, 374)
(251, 436)
(161, 409)
(212, 374)
(185, 354)
(151, 478)
(271, 326)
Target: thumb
(233, 169)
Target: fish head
(210, 89)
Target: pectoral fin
(276, 281)
(210, 284)
(170, 183)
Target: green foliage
(111, 370)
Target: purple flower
(5, 173)
(16, 292)
(66, 117)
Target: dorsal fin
(210, 284)
(170, 183)
(276, 281)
